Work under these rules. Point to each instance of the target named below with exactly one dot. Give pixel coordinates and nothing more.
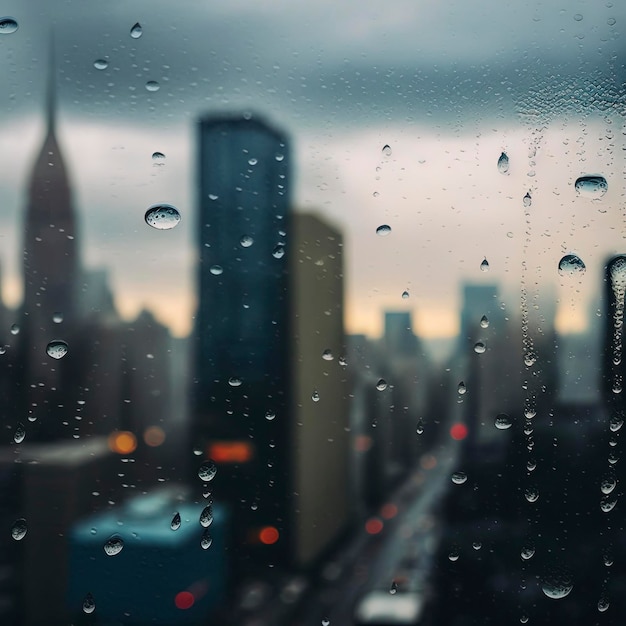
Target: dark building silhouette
(267, 407)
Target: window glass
(312, 313)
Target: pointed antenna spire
(51, 91)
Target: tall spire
(51, 89)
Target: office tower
(51, 266)
(270, 302)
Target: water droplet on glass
(8, 25)
(527, 199)
(613, 458)
(56, 349)
(484, 266)
(246, 241)
(607, 485)
(578, 17)
(530, 358)
(89, 604)
(479, 347)
(616, 422)
(153, 86)
(603, 604)
(383, 230)
(453, 556)
(162, 216)
(387, 150)
(523, 619)
(503, 163)
(420, 427)
(278, 252)
(557, 584)
(207, 471)
(527, 552)
(503, 421)
(176, 521)
(15, 329)
(611, 21)
(381, 385)
(484, 322)
(531, 494)
(458, 478)
(393, 589)
(252, 161)
(19, 529)
(270, 415)
(20, 433)
(591, 186)
(216, 270)
(206, 540)
(206, 517)
(136, 31)
(315, 396)
(607, 504)
(279, 157)
(327, 355)
(158, 157)
(477, 545)
(101, 64)
(343, 361)
(571, 264)
(233, 381)
(405, 294)
(57, 318)
(325, 622)
(461, 389)
(114, 546)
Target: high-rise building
(267, 407)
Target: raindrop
(153, 86)
(343, 361)
(607, 559)
(57, 317)
(270, 415)
(114, 546)
(527, 553)
(420, 427)
(503, 421)
(603, 604)
(529, 412)
(458, 478)
(591, 186)
(325, 622)
(531, 494)
(607, 485)
(20, 433)
(387, 150)
(19, 529)
(484, 322)
(101, 64)
(611, 21)
(8, 25)
(175, 523)
(571, 264)
(484, 266)
(216, 270)
(523, 619)
(158, 157)
(252, 161)
(162, 216)
(578, 17)
(89, 604)
(327, 355)
(477, 545)
(56, 349)
(453, 556)
(207, 471)
(279, 157)
(15, 329)
(405, 294)
(461, 389)
(206, 540)
(527, 200)
(530, 359)
(136, 31)
(246, 241)
(383, 230)
(278, 252)
(607, 504)
(613, 458)
(315, 396)
(206, 517)
(557, 584)
(479, 347)
(616, 422)
(394, 587)
(503, 163)
(381, 385)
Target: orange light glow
(184, 600)
(458, 431)
(428, 462)
(154, 436)
(230, 451)
(123, 442)
(268, 535)
(362, 443)
(373, 526)
(389, 511)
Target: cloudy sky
(447, 85)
